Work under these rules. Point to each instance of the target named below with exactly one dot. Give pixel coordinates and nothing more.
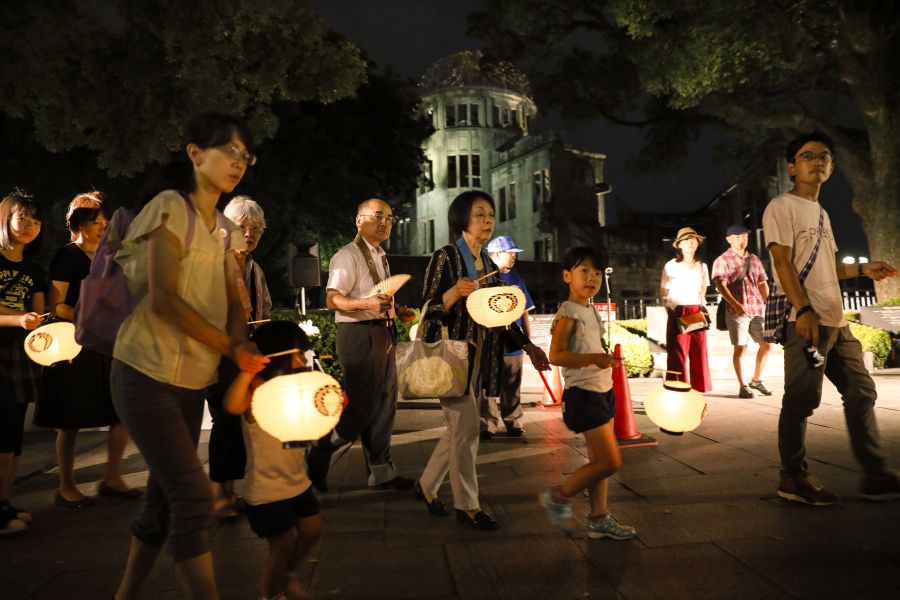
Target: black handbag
(721, 325)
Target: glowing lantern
(53, 343)
(299, 407)
(676, 407)
(496, 306)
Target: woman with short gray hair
(227, 454)
(247, 214)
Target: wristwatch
(803, 310)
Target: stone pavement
(709, 522)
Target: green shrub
(876, 341)
(323, 344)
(852, 315)
(635, 349)
(888, 302)
(403, 328)
(636, 326)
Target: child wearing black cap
(281, 506)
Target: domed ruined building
(548, 194)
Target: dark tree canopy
(761, 70)
(121, 78)
(94, 95)
(326, 159)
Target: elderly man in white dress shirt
(365, 341)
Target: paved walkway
(709, 522)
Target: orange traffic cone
(623, 423)
(552, 391)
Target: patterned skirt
(19, 375)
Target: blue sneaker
(608, 527)
(560, 512)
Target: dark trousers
(164, 422)
(227, 454)
(366, 354)
(510, 411)
(803, 391)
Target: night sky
(407, 36)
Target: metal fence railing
(856, 299)
(636, 308)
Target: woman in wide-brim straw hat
(683, 292)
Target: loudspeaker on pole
(303, 265)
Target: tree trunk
(876, 195)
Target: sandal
(60, 500)
(224, 510)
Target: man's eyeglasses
(825, 157)
(380, 217)
(237, 155)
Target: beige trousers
(457, 447)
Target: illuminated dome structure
(484, 138)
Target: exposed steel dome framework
(470, 69)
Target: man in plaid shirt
(741, 279)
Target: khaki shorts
(742, 328)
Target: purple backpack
(105, 300)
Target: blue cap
(503, 243)
(736, 229)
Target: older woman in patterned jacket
(451, 276)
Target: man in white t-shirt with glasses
(794, 223)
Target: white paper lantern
(676, 407)
(496, 306)
(299, 407)
(53, 343)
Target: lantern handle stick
(671, 372)
(547, 385)
(494, 272)
(282, 353)
(259, 321)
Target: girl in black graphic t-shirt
(21, 305)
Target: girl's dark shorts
(273, 518)
(584, 410)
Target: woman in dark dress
(76, 395)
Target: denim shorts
(272, 518)
(584, 410)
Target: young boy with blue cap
(503, 252)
